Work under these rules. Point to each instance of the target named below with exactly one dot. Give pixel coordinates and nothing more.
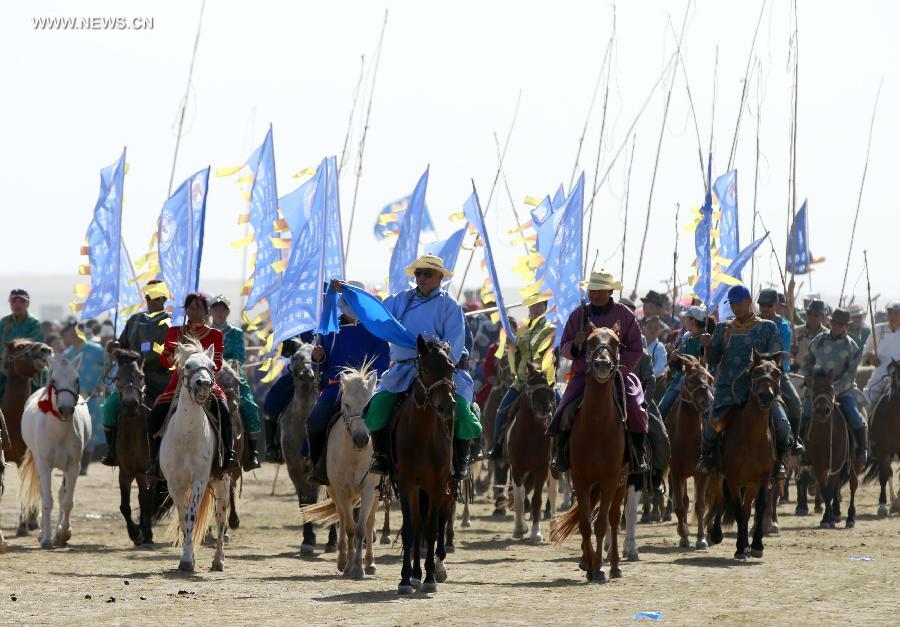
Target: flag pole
(362, 139)
(362, 67)
(184, 101)
(687, 86)
(737, 125)
(871, 309)
(625, 226)
(755, 180)
(662, 130)
(790, 263)
(675, 262)
(119, 252)
(512, 203)
(862, 185)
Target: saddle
(323, 459)
(210, 409)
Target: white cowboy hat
(534, 299)
(428, 262)
(601, 280)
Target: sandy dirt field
(806, 577)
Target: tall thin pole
(362, 67)
(625, 226)
(512, 203)
(687, 85)
(184, 101)
(675, 262)
(755, 188)
(792, 199)
(737, 125)
(662, 131)
(862, 186)
(871, 309)
(362, 139)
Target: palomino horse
(186, 454)
(23, 361)
(423, 442)
(131, 445)
(597, 453)
(828, 448)
(56, 427)
(685, 429)
(747, 458)
(348, 457)
(530, 451)
(230, 382)
(884, 437)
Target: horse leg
(614, 513)
(519, 527)
(386, 528)
(536, 503)
(407, 533)
(631, 550)
(801, 481)
(66, 502)
(365, 528)
(234, 519)
(645, 505)
(851, 510)
(449, 532)
(584, 526)
(827, 489)
(679, 487)
(134, 532)
(737, 505)
(601, 524)
(331, 544)
(700, 483)
(147, 504)
(198, 487)
(552, 494)
(432, 522)
(884, 475)
(756, 548)
(221, 491)
(420, 514)
(347, 532)
(440, 571)
(44, 471)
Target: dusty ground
(806, 576)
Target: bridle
(529, 391)
(755, 380)
(428, 390)
(593, 356)
(130, 385)
(197, 370)
(688, 394)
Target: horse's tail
(564, 526)
(873, 470)
(162, 502)
(324, 512)
(202, 520)
(727, 505)
(29, 485)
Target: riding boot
(638, 445)
(862, 444)
(709, 454)
(560, 461)
(317, 457)
(110, 458)
(252, 455)
(381, 441)
(153, 472)
(476, 453)
(273, 450)
(460, 459)
(229, 462)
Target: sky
(450, 75)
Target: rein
(45, 405)
(427, 391)
(529, 390)
(830, 418)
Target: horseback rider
(816, 316)
(220, 307)
(196, 309)
(837, 354)
(351, 347)
(602, 311)
(858, 329)
(766, 301)
(534, 338)
(730, 350)
(887, 334)
(427, 310)
(654, 306)
(19, 324)
(280, 395)
(695, 321)
(142, 332)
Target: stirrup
(460, 470)
(379, 465)
(559, 464)
(497, 451)
(109, 460)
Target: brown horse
(828, 448)
(23, 361)
(685, 429)
(133, 451)
(748, 458)
(530, 451)
(597, 453)
(230, 382)
(423, 441)
(497, 471)
(884, 438)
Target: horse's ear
(371, 381)
(52, 361)
(779, 359)
(617, 329)
(689, 361)
(755, 356)
(210, 351)
(420, 343)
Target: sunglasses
(424, 273)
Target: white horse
(348, 457)
(56, 427)
(186, 453)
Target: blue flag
(374, 316)
(734, 270)
(329, 321)
(448, 249)
(473, 213)
(407, 247)
(564, 265)
(702, 244)
(297, 206)
(180, 239)
(540, 213)
(263, 214)
(104, 237)
(334, 237)
(799, 258)
(559, 198)
(130, 295)
(389, 218)
(725, 188)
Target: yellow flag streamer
(229, 170)
(387, 218)
(84, 270)
(459, 215)
(273, 372)
(158, 348)
(281, 225)
(532, 201)
(305, 172)
(244, 218)
(82, 290)
(244, 241)
(547, 365)
(85, 250)
(157, 290)
(520, 228)
(501, 344)
(278, 242)
(531, 290)
(728, 279)
(280, 265)
(245, 179)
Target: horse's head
(696, 388)
(64, 384)
(357, 387)
(26, 358)
(129, 377)
(539, 392)
(196, 369)
(435, 376)
(602, 349)
(302, 366)
(230, 382)
(822, 392)
(765, 377)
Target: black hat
(817, 307)
(841, 316)
(781, 299)
(627, 302)
(19, 293)
(767, 298)
(654, 298)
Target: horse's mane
(350, 374)
(187, 348)
(124, 356)
(605, 330)
(228, 369)
(21, 343)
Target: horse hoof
(740, 555)
(440, 571)
(450, 548)
(645, 519)
(218, 566)
(22, 530)
(756, 553)
(185, 566)
(4, 547)
(667, 517)
(817, 509)
(850, 524)
(428, 588)
(632, 556)
(307, 549)
(330, 548)
(615, 573)
(416, 583)
(385, 540)
(46, 544)
(499, 513)
(33, 524)
(342, 565)
(772, 530)
(227, 537)
(234, 522)
(599, 577)
(401, 589)
(536, 538)
(801, 511)
(371, 570)
(355, 573)
(825, 525)
(684, 543)
(518, 534)
(655, 517)
(882, 513)
(583, 566)
(465, 524)
(701, 545)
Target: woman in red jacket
(196, 309)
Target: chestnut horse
(597, 454)
(423, 443)
(829, 450)
(23, 361)
(685, 429)
(884, 438)
(748, 458)
(530, 451)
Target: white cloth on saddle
(888, 349)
